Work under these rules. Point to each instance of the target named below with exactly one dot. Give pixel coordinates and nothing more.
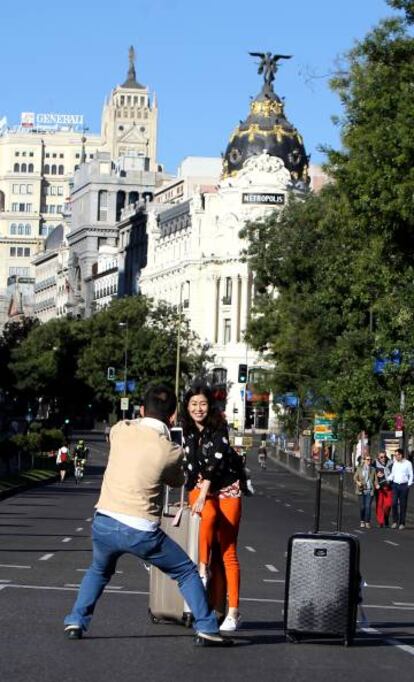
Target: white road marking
(402, 603)
(272, 580)
(13, 566)
(66, 539)
(272, 568)
(108, 587)
(277, 500)
(65, 589)
(83, 570)
(390, 640)
(46, 557)
(5, 581)
(388, 608)
(287, 505)
(272, 601)
(250, 549)
(384, 587)
(78, 530)
(3, 586)
(389, 542)
(301, 511)
(358, 531)
(90, 519)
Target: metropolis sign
(29, 119)
(271, 199)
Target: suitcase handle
(166, 505)
(340, 475)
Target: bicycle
(79, 470)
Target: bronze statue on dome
(269, 65)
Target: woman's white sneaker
(230, 624)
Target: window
(12, 251)
(13, 228)
(60, 191)
(16, 168)
(52, 190)
(47, 155)
(59, 208)
(29, 189)
(22, 272)
(28, 229)
(53, 170)
(31, 154)
(228, 289)
(22, 189)
(20, 229)
(24, 168)
(17, 153)
(15, 207)
(15, 189)
(51, 208)
(27, 252)
(102, 205)
(61, 170)
(61, 156)
(23, 153)
(54, 156)
(227, 331)
(31, 168)
(47, 169)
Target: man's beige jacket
(141, 461)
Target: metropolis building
(194, 248)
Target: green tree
(336, 271)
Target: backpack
(63, 456)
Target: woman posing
(384, 493)
(366, 481)
(214, 473)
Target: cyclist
(80, 455)
(262, 456)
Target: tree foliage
(336, 271)
(64, 361)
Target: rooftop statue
(269, 65)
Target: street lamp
(178, 355)
(125, 326)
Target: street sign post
(124, 404)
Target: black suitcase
(322, 579)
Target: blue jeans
(365, 502)
(111, 539)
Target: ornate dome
(267, 129)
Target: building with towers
(194, 248)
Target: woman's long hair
(214, 418)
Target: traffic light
(242, 374)
(111, 374)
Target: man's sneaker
(230, 624)
(367, 524)
(362, 524)
(211, 639)
(394, 525)
(73, 632)
(401, 526)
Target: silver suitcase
(166, 602)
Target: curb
(22, 487)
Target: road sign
(124, 404)
(131, 383)
(120, 386)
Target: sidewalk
(11, 485)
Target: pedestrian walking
(366, 481)
(142, 460)
(384, 492)
(401, 478)
(62, 462)
(214, 481)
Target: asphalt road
(45, 548)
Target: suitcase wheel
(188, 620)
(292, 639)
(153, 618)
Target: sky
(67, 57)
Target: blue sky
(66, 57)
